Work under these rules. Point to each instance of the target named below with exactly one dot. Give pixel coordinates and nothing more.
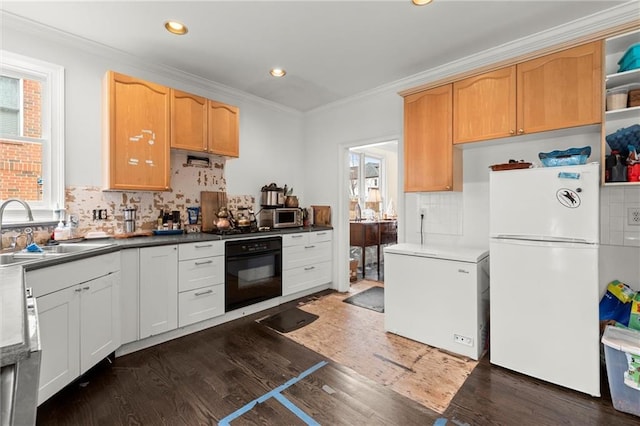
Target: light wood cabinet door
(560, 90)
(223, 129)
(139, 120)
(188, 121)
(428, 150)
(484, 106)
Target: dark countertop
(13, 326)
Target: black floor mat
(289, 320)
(372, 298)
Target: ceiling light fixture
(175, 27)
(278, 72)
(421, 2)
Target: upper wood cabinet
(484, 106)
(137, 143)
(224, 122)
(555, 91)
(430, 163)
(188, 121)
(204, 125)
(560, 90)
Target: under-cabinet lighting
(175, 27)
(421, 2)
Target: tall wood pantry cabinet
(137, 144)
(431, 164)
(554, 91)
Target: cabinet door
(560, 90)
(139, 120)
(428, 149)
(223, 129)
(129, 295)
(201, 304)
(58, 316)
(158, 290)
(188, 121)
(305, 277)
(99, 319)
(484, 106)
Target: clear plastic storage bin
(622, 356)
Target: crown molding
(600, 25)
(12, 22)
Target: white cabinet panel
(129, 295)
(99, 319)
(58, 315)
(306, 261)
(297, 256)
(158, 290)
(200, 304)
(305, 277)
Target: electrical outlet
(633, 216)
(99, 214)
(463, 340)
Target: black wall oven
(253, 271)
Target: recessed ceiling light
(277, 72)
(175, 27)
(421, 2)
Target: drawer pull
(321, 233)
(308, 268)
(202, 293)
(204, 262)
(86, 288)
(309, 247)
(297, 236)
(78, 290)
(203, 245)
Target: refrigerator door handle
(543, 238)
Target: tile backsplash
(615, 203)
(442, 212)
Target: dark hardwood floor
(202, 378)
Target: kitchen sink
(60, 250)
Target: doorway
(372, 201)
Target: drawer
(305, 255)
(201, 249)
(320, 236)
(289, 240)
(200, 304)
(197, 273)
(305, 278)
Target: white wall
(270, 135)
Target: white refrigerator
(544, 294)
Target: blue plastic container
(622, 138)
(631, 59)
(618, 343)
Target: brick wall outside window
(21, 162)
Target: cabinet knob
(512, 132)
(447, 187)
(520, 131)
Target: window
(366, 184)
(31, 135)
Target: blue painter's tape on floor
(440, 422)
(275, 393)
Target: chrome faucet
(4, 205)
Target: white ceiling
(330, 49)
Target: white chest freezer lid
(622, 339)
(460, 253)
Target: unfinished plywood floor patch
(355, 338)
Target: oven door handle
(252, 254)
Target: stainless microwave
(281, 218)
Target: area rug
(356, 338)
(289, 320)
(371, 298)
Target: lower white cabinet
(200, 281)
(158, 290)
(129, 295)
(79, 317)
(306, 261)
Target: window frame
(53, 136)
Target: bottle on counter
(160, 219)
